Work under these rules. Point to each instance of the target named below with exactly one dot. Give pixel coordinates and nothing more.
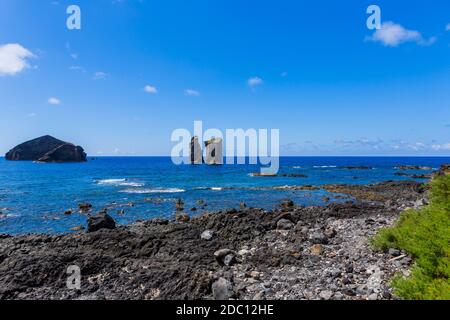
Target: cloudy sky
(139, 69)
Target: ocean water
(34, 197)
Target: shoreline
(291, 252)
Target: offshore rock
(47, 149)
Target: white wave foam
(110, 181)
(209, 188)
(146, 191)
(324, 166)
(131, 184)
(119, 182)
(296, 167)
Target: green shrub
(425, 234)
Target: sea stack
(214, 154)
(196, 151)
(47, 149)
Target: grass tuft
(425, 234)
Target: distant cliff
(47, 149)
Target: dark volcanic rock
(443, 170)
(160, 259)
(47, 149)
(65, 153)
(101, 221)
(413, 167)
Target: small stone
(255, 275)
(222, 289)
(221, 254)
(207, 235)
(346, 281)
(85, 207)
(182, 217)
(229, 260)
(77, 228)
(159, 221)
(326, 295)
(121, 212)
(316, 249)
(284, 224)
(349, 268)
(373, 296)
(259, 295)
(386, 295)
(330, 232)
(179, 204)
(287, 203)
(68, 212)
(318, 238)
(394, 252)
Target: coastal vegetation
(425, 235)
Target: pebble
(316, 249)
(207, 235)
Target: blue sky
(138, 69)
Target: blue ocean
(34, 197)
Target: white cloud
(254, 81)
(150, 89)
(392, 34)
(32, 115)
(54, 101)
(447, 27)
(99, 75)
(13, 59)
(192, 93)
(77, 68)
(439, 147)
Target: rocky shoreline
(291, 252)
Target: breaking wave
(148, 191)
(119, 182)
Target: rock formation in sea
(196, 151)
(214, 154)
(47, 149)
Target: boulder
(101, 221)
(222, 289)
(47, 149)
